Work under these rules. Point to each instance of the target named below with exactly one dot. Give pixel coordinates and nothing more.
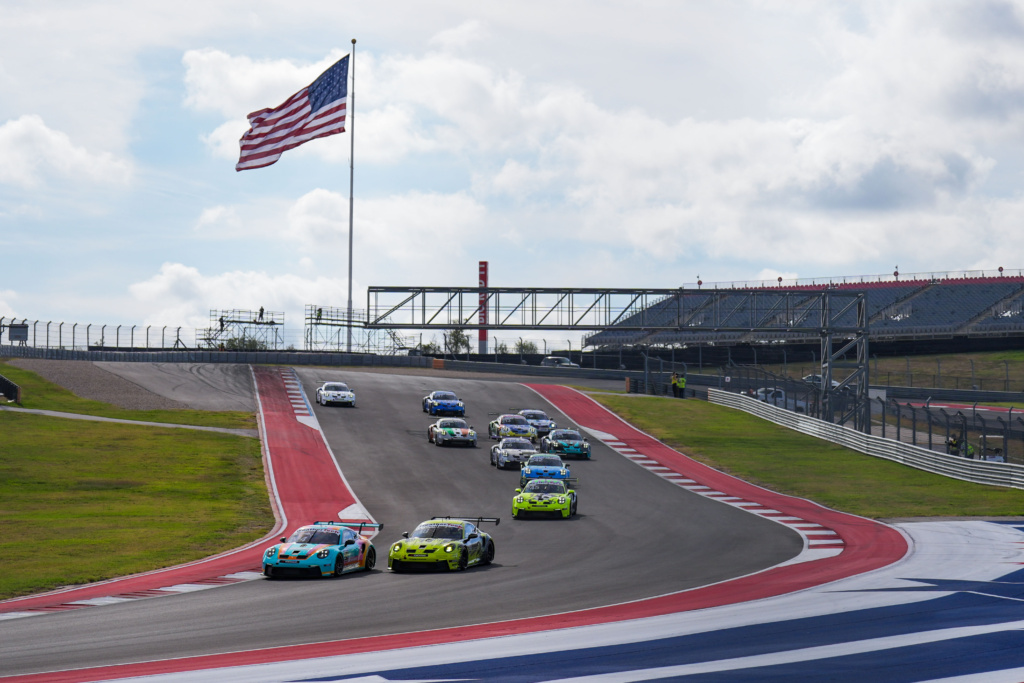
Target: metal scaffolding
(243, 330)
(325, 328)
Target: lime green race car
(451, 543)
(547, 496)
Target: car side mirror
(519, 490)
(405, 534)
(284, 540)
(567, 465)
(349, 541)
(471, 537)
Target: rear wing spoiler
(356, 525)
(475, 520)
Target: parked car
(777, 397)
(558, 362)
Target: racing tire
(488, 554)
(572, 510)
(430, 437)
(516, 514)
(463, 560)
(438, 442)
(494, 462)
(371, 560)
(339, 564)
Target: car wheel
(572, 510)
(515, 513)
(339, 565)
(268, 572)
(371, 560)
(430, 436)
(494, 462)
(488, 554)
(463, 559)
(438, 442)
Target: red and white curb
(116, 598)
(819, 541)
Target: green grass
(39, 394)
(789, 462)
(83, 501)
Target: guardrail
(10, 390)
(975, 471)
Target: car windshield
(513, 420)
(315, 535)
(434, 530)
(336, 387)
(541, 486)
(567, 436)
(444, 396)
(453, 424)
(545, 461)
(534, 415)
(520, 444)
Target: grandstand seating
(896, 309)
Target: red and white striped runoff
(316, 111)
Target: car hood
(544, 471)
(299, 551)
(425, 543)
(539, 497)
(455, 431)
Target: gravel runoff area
(87, 380)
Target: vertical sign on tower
(482, 336)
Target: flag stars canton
(330, 87)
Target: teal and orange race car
(544, 496)
(322, 549)
(451, 543)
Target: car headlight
(520, 499)
(561, 499)
(396, 547)
(563, 472)
(449, 548)
(272, 551)
(323, 553)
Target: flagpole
(351, 183)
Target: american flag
(315, 111)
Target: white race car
(512, 452)
(540, 421)
(335, 392)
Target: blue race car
(544, 466)
(565, 442)
(322, 549)
(443, 403)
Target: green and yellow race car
(452, 543)
(544, 496)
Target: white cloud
(7, 307)
(182, 295)
(34, 153)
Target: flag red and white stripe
(316, 111)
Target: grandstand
(916, 307)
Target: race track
(637, 535)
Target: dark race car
(566, 442)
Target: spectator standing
(681, 386)
(675, 385)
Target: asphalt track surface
(636, 536)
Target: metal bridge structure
(837, 318)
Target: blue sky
(628, 144)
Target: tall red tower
(482, 336)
